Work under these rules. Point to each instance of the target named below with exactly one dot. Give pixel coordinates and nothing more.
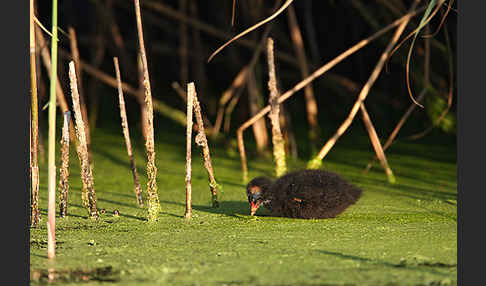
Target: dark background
(336, 25)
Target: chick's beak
(254, 207)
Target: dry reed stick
(202, 142)
(364, 92)
(64, 170)
(34, 134)
(153, 197)
(277, 138)
(82, 101)
(354, 87)
(140, 95)
(375, 141)
(412, 107)
(191, 90)
(397, 128)
(86, 172)
(310, 100)
(323, 69)
(126, 134)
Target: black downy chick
(303, 194)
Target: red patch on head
(255, 189)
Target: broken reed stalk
(126, 134)
(202, 142)
(310, 100)
(354, 88)
(317, 161)
(317, 73)
(75, 52)
(51, 161)
(64, 170)
(397, 128)
(277, 138)
(190, 98)
(375, 141)
(412, 106)
(86, 172)
(153, 197)
(34, 134)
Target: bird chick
(303, 194)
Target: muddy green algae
(401, 234)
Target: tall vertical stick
(191, 90)
(277, 139)
(140, 94)
(64, 170)
(35, 215)
(202, 141)
(153, 197)
(86, 173)
(82, 101)
(51, 161)
(123, 115)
